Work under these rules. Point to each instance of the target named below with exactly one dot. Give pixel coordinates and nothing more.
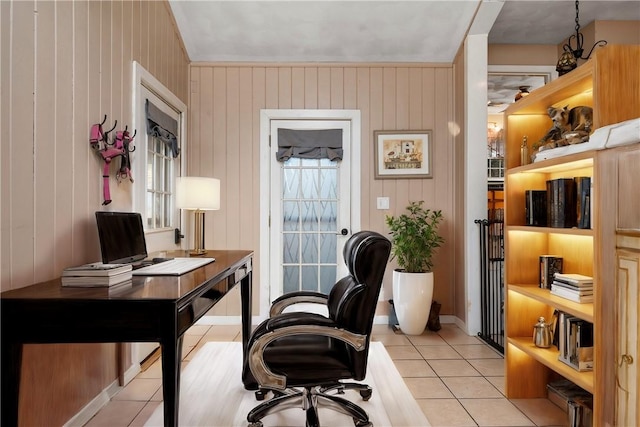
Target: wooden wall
(224, 106)
(64, 66)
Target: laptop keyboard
(174, 267)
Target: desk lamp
(198, 194)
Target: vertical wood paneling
(388, 97)
(65, 65)
(44, 127)
(218, 167)
(196, 97)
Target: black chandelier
(569, 59)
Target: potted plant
(415, 237)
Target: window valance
(163, 127)
(309, 144)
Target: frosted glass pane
(166, 221)
(327, 163)
(290, 249)
(327, 278)
(328, 216)
(328, 183)
(309, 184)
(292, 162)
(157, 209)
(328, 248)
(150, 158)
(309, 216)
(290, 277)
(290, 183)
(309, 163)
(309, 278)
(309, 248)
(291, 216)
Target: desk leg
(171, 360)
(245, 297)
(11, 366)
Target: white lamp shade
(194, 193)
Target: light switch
(383, 203)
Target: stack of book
(574, 401)
(574, 287)
(561, 203)
(575, 343)
(97, 274)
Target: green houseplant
(415, 238)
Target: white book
(95, 281)
(96, 269)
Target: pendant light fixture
(569, 59)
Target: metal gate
(492, 292)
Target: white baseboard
(92, 408)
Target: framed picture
(402, 154)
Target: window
(160, 119)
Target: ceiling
(380, 31)
(375, 31)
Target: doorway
(310, 205)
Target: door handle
(343, 232)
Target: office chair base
(309, 399)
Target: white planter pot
(412, 295)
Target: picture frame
(403, 154)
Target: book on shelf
(96, 269)
(535, 208)
(575, 342)
(549, 265)
(96, 281)
(580, 290)
(573, 278)
(573, 400)
(571, 295)
(561, 203)
(583, 201)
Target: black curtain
(309, 144)
(163, 127)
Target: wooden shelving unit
(601, 83)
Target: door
(310, 212)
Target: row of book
(576, 402)
(97, 274)
(566, 203)
(574, 287)
(574, 338)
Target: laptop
(122, 241)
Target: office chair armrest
(267, 378)
(291, 298)
(298, 319)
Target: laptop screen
(121, 237)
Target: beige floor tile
(391, 339)
(145, 414)
(427, 338)
(542, 412)
(488, 367)
(222, 333)
(453, 368)
(116, 413)
(397, 352)
(190, 340)
(428, 388)
(445, 413)
(498, 382)
(438, 352)
(471, 387)
(199, 330)
(382, 329)
(476, 351)
(140, 389)
(495, 412)
(414, 368)
(153, 371)
(457, 336)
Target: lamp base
(197, 252)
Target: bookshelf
(600, 83)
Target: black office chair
(303, 357)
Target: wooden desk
(155, 308)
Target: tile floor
(456, 379)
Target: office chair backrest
(353, 299)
